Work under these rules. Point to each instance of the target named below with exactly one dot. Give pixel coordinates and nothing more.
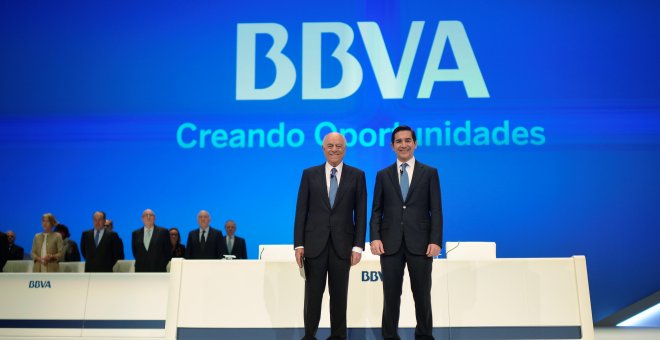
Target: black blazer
(215, 248)
(316, 221)
(418, 220)
(16, 252)
(159, 254)
(103, 257)
(239, 249)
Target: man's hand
(355, 258)
(300, 254)
(433, 250)
(377, 247)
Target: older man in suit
(406, 229)
(99, 246)
(16, 252)
(235, 245)
(329, 232)
(151, 245)
(205, 242)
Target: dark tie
(96, 237)
(333, 187)
(404, 181)
(203, 240)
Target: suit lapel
(345, 178)
(393, 173)
(320, 176)
(418, 172)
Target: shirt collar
(328, 167)
(410, 162)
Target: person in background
(178, 249)
(71, 253)
(16, 252)
(4, 250)
(235, 245)
(120, 245)
(47, 246)
(99, 246)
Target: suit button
(404, 207)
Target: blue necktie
(404, 181)
(96, 237)
(333, 186)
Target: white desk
(514, 298)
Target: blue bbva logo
(39, 284)
(372, 276)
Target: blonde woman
(47, 247)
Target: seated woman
(47, 247)
(178, 249)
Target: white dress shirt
(328, 172)
(409, 169)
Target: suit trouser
(336, 269)
(419, 270)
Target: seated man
(205, 242)
(235, 245)
(16, 252)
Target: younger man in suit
(406, 229)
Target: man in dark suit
(16, 252)
(4, 250)
(329, 231)
(235, 245)
(406, 229)
(99, 246)
(151, 245)
(120, 245)
(205, 242)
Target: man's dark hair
(404, 128)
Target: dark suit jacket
(215, 248)
(99, 258)
(16, 252)
(71, 253)
(239, 249)
(4, 250)
(159, 253)
(120, 248)
(418, 220)
(315, 221)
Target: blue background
(91, 95)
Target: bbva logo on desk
(372, 276)
(39, 284)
